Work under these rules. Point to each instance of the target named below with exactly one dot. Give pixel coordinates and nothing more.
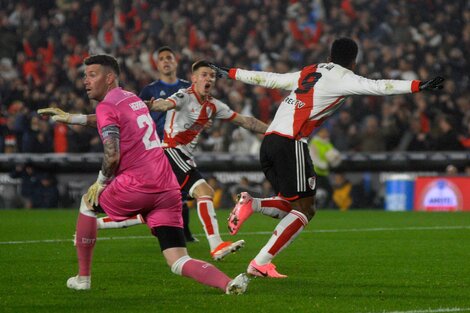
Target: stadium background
(43, 43)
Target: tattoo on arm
(255, 125)
(111, 138)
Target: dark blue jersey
(160, 89)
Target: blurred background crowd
(43, 44)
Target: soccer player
(135, 177)
(167, 84)
(317, 91)
(190, 110)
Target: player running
(317, 91)
(135, 177)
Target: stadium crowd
(42, 45)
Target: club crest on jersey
(179, 95)
(162, 93)
(312, 182)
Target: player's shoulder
(184, 83)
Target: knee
(203, 190)
(307, 208)
(309, 211)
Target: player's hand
(432, 84)
(96, 189)
(56, 114)
(208, 124)
(220, 72)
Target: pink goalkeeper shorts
(158, 209)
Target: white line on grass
(346, 230)
(440, 310)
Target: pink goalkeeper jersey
(143, 166)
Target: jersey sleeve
(223, 111)
(179, 98)
(106, 115)
(286, 81)
(352, 84)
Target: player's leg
(296, 182)
(276, 207)
(187, 231)
(85, 242)
(166, 224)
(107, 223)
(203, 193)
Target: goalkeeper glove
(220, 72)
(432, 84)
(60, 116)
(96, 189)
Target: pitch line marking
(440, 310)
(346, 230)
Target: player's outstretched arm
(64, 117)
(287, 81)
(160, 105)
(250, 123)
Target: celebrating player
(317, 91)
(135, 177)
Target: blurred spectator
(452, 170)
(324, 156)
(46, 194)
(342, 188)
(29, 183)
(447, 138)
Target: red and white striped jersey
(317, 91)
(186, 120)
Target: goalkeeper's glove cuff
(78, 119)
(103, 180)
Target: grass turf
(358, 261)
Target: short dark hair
(199, 64)
(344, 52)
(104, 60)
(165, 48)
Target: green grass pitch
(358, 261)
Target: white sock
(284, 233)
(276, 207)
(107, 223)
(207, 216)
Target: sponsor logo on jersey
(179, 95)
(299, 104)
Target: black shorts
(184, 168)
(287, 165)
